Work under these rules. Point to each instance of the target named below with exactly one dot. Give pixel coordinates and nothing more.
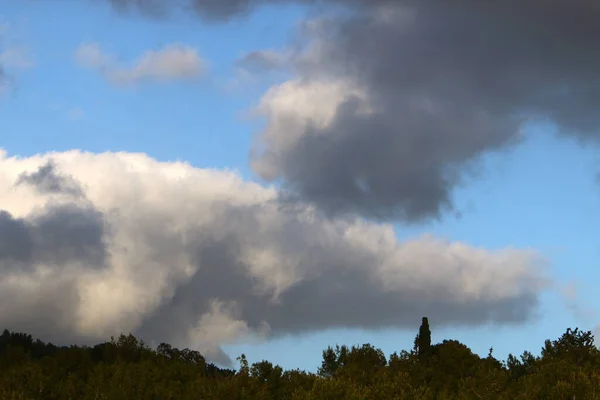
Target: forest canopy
(127, 368)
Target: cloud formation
(259, 61)
(417, 92)
(170, 63)
(202, 258)
(13, 59)
(48, 181)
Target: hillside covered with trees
(125, 368)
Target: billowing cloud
(170, 63)
(202, 258)
(53, 236)
(418, 91)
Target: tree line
(125, 368)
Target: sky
(274, 177)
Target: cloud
(47, 180)
(580, 309)
(263, 60)
(420, 90)
(259, 67)
(170, 63)
(220, 10)
(416, 94)
(13, 59)
(3, 80)
(16, 57)
(53, 236)
(212, 9)
(202, 258)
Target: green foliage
(125, 368)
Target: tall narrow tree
(423, 341)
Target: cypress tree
(423, 341)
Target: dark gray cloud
(42, 258)
(16, 243)
(54, 236)
(210, 9)
(220, 9)
(446, 82)
(70, 233)
(48, 180)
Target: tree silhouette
(125, 368)
(423, 339)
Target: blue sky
(118, 120)
(542, 194)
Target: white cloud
(201, 258)
(172, 62)
(292, 106)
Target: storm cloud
(54, 236)
(395, 100)
(202, 258)
(42, 256)
(391, 106)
